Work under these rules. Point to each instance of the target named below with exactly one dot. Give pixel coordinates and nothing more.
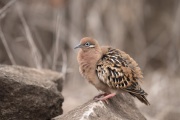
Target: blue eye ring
(87, 44)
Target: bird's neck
(89, 57)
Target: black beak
(78, 46)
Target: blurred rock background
(43, 33)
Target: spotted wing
(118, 70)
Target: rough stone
(118, 108)
(29, 94)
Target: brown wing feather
(119, 71)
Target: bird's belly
(93, 79)
(99, 85)
(90, 75)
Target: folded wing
(119, 71)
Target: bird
(110, 70)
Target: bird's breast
(87, 71)
(87, 64)
(87, 67)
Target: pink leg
(101, 94)
(106, 97)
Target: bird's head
(90, 51)
(87, 43)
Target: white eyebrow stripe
(91, 46)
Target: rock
(118, 108)
(168, 113)
(29, 94)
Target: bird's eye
(87, 44)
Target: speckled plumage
(110, 70)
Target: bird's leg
(106, 97)
(99, 95)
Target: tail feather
(142, 98)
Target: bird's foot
(100, 95)
(105, 98)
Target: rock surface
(29, 94)
(118, 108)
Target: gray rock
(29, 94)
(118, 108)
